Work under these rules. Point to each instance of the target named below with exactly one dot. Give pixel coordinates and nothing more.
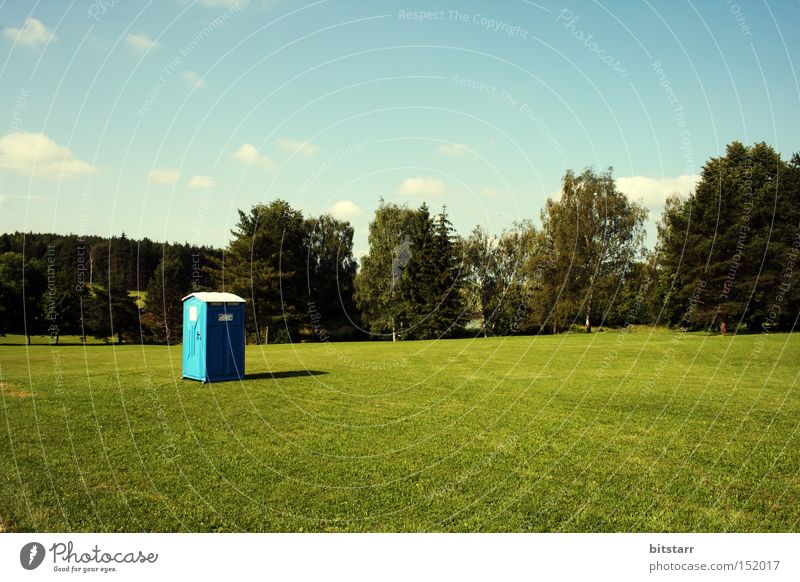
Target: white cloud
(653, 191)
(456, 150)
(249, 155)
(201, 182)
(490, 193)
(158, 176)
(33, 33)
(141, 42)
(303, 148)
(422, 187)
(35, 154)
(3, 199)
(345, 210)
(194, 80)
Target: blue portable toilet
(213, 337)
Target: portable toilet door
(213, 337)
(194, 328)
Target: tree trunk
(589, 312)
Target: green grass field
(609, 432)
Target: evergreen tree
(420, 289)
(113, 312)
(447, 317)
(264, 264)
(22, 286)
(432, 279)
(66, 315)
(725, 248)
(11, 313)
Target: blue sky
(160, 119)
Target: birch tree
(595, 232)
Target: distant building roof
(215, 297)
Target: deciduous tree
(593, 234)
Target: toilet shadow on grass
(281, 375)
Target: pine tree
(420, 279)
(113, 312)
(451, 271)
(725, 248)
(264, 264)
(432, 301)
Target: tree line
(55, 285)
(725, 259)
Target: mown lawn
(609, 432)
